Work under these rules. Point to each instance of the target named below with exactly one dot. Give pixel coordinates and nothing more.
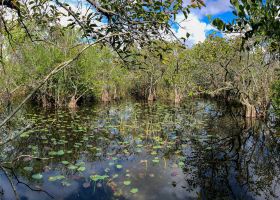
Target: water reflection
(134, 151)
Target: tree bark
(178, 96)
(250, 111)
(105, 97)
(115, 95)
(152, 94)
(73, 103)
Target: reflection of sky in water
(217, 151)
(153, 182)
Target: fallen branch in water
(53, 72)
(29, 156)
(11, 182)
(33, 189)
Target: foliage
(255, 18)
(130, 21)
(276, 95)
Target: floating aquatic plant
(127, 182)
(37, 176)
(56, 178)
(98, 177)
(134, 190)
(29, 169)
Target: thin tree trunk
(152, 95)
(250, 111)
(178, 96)
(105, 97)
(73, 103)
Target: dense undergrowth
(216, 68)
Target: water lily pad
(72, 167)
(98, 177)
(37, 176)
(155, 160)
(29, 169)
(154, 153)
(115, 176)
(134, 190)
(60, 153)
(55, 178)
(127, 182)
(65, 162)
(65, 183)
(119, 166)
(81, 169)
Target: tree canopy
(131, 22)
(255, 18)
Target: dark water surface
(143, 152)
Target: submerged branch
(11, 182)
(33, 189)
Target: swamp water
(143, 152)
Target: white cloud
(192, 25)
(213, 7)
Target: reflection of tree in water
(227, 158)
(114, 131)
(237, 159)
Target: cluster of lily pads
(112, 135)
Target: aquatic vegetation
(119, 166)
(153, 146)
(134, 190)
(127, 182)
(37, 176)
(29, 169)
(56, 178)
(98, 177)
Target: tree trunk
(105, 97)
(44, 101)
(152, 95)
(73, 103)
(178, 96)
(250, 111)
(115, 95)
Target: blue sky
(198, 24)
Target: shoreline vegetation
(214, 69)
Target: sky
(198, 24)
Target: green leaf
(218, 23)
